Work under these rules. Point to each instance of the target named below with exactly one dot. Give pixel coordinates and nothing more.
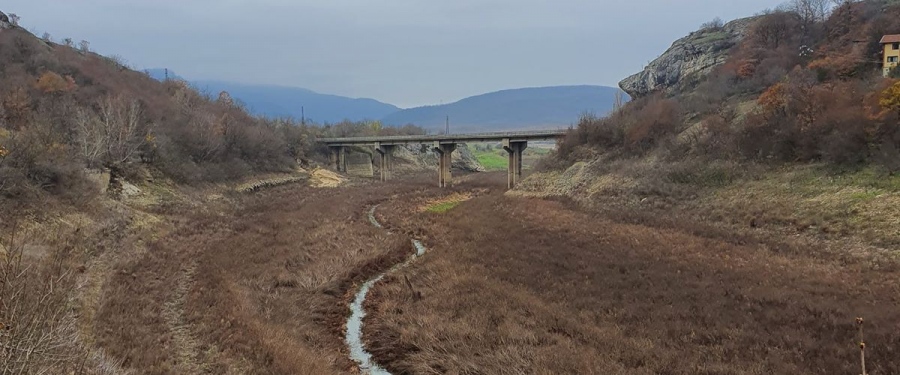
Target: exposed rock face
(688, 60)
(4, 21)
(423, 157)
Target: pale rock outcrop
(688, 60)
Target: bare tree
(209, 135)
(125, 136)
(84, 46)
(112, 135)
(68, 42)
(14, 19)
(715, 24)
(91, 137)
(811, 10)
(773, 30)
(46, 37)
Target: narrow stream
(358, 352)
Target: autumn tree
(52, 83)
(225, 99)
(773, 100)
(889, 99)
(376, 126)
(17, 108)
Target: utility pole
(447, 130)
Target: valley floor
(260, 283)
(518, 285)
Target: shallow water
(358, 352)
(372, 218)
(354, 332)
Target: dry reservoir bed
(509, 286)
(514, 285)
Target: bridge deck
(447, 138)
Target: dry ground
(254, 283)
(518, 285)
(258, 283)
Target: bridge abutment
(445, 160)
(515, 149)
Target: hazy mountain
(282, 101)
(527, 108)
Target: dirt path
(186, 346)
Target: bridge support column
(515, 150)
(387, 159)
(339, 158)
(445, 152)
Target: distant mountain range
(282, 101)
(538, 107)
(526, 108)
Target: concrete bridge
(513, 142)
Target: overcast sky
(404, 52)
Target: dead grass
(324, 178)
(269, 288)
(518, 285)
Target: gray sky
(405, 52)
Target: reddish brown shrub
(52, 83)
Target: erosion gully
(353, 335)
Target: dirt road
(260, 283)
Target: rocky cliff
(688, 60)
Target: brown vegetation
(800, 87)
(533, 286)
(262, 287)
(64, 109)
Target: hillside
(547, 107)
(779, 123)
(282, 101)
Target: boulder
(688, 60)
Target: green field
(491, 160)
(496, 160)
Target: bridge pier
(386, 159)
(445, 152)
(515, 150)
(339, 158)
